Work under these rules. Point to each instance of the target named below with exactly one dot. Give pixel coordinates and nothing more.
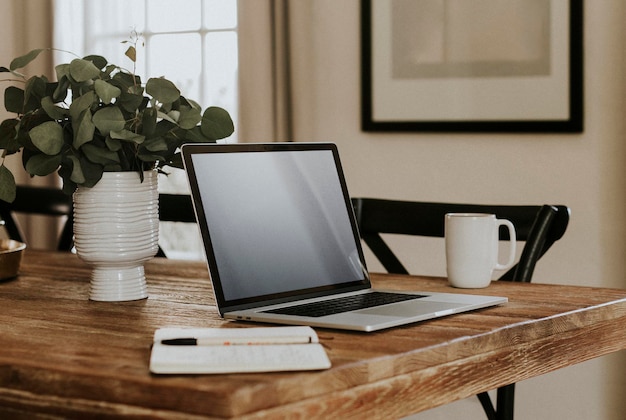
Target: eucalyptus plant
(98, 117)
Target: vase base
(115, 284)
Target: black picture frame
(570, 79)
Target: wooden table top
(63, 355)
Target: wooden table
(66, 356)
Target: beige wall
(584, 171)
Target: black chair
(175, 208)
(538, 226)
(54, 202)
(45, 201)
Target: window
(193, 43)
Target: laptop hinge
(297, 298)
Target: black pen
(223, 341)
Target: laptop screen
(276, 220)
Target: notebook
(236, 350)
(281, 241)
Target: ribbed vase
(116, 230)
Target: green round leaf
(130, 101)
(109, 119)
(149, 121)
(100, 155)
(216, 123)
(77, 175)
(127, 81)
(127, 135)
(7, 185)
(162, 90)
(82, 103)
(35, 86)
(83, 70)
(189, 118)
(195, 136)
(98, 61)
(47, 137)
(8, 136)
(112, 144)
(14, 99)
(106, 91)
(92, 172)
(84, 129)
(166, 117)
(62, 70)
(42, 165)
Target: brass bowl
(10, 257)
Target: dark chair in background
(175, 208)
(538, 226)
(44, 201)
(54, 202)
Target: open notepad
(231, 350)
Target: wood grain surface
(64, 356)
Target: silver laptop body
(279, 231)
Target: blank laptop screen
(277, 222)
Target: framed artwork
(479, 66)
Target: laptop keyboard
(344, 304)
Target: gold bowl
(10, 257)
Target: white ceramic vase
(116, 230)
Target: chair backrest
(45, 201)
(54, 202)
(538, 226)
(175, 208)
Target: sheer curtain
(276, 78)
(265, 70)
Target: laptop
(282, 245)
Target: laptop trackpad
(410, 308)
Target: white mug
(472, 248)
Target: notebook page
(237, 359)
(234, 358)
(238, 333)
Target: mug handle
(512, 243)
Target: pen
(249, 341)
